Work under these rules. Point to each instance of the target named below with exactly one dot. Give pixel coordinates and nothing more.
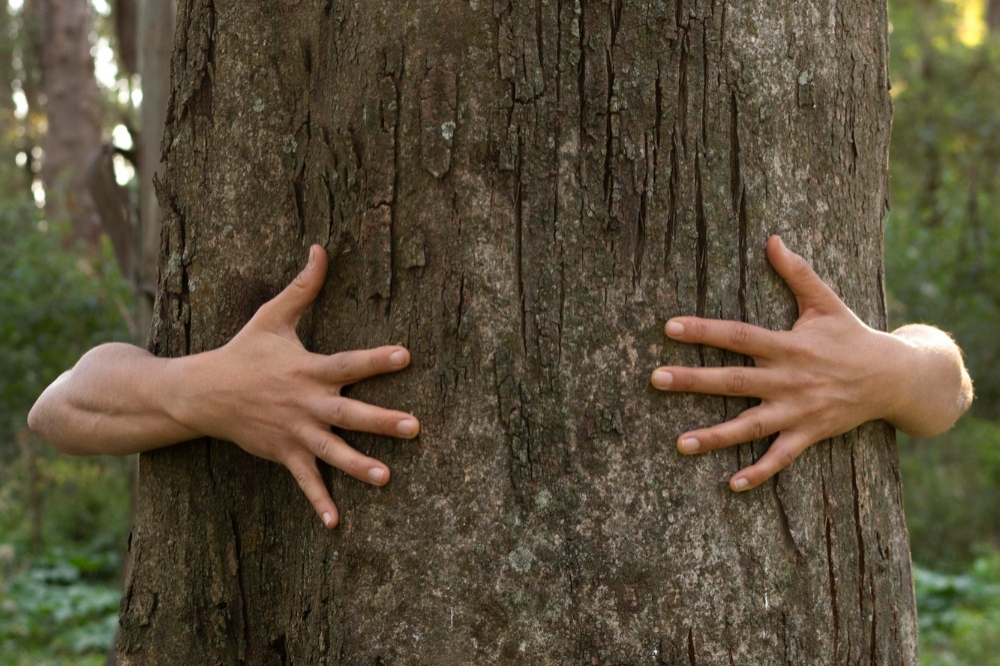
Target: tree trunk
(522, 193)
(993, 16)
(156, 41)
(73, 112)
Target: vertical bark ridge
(485, 179)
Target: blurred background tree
(63, 521)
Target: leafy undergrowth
(64, 610)
(960, 615)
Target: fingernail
(376, 474)
(406, 427)
(688, 445)
(398, 358)
(662, 379)
(740, 484)
(312, 257)
(675, 329)
(327, 519)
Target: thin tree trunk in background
(73, 112)
(993, 16)
(522, 193)
(126, 16)
(156, 42)
(33, 493)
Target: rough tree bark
(522, 193)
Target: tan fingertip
(662, 379)
(675, 328)
(399, 358)
(740, 484)
(407, 427)
(688, 445)
(378, 476)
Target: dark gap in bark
(640, 233)
(672, 187)
(657, 120)
(609, 139)
(691, 658)
(855, 496)
(701, 251)
(829, 562)
(704, 84)
(582, 74)
(519, 239)
(538, 41)
(682, 92)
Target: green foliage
(60, 608)
(54, 306)
(56, 613)
(951, 487)
(959, 615)
(943, 234)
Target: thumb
(287, 307)
(809, 289)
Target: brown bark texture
(73, 113)
(522, 193)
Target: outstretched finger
(782, 452)
(755, 423)
(338, 453)
(356, 415)
(307, 475)
(287, 308)
(353, 366)
(732, 335)
(731, 380)
(808, 287)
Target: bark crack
(833, 582)
(519, 241)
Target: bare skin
(276, 400)
(120, 399)
(826, 376)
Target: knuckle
(756, 428)
(738, 382)
(785, 458)
(740, 334)
(697, 328)
(801, 267)
(300, 282)
(323, 449)
(338, 412)
(302, 479)
(341, 365)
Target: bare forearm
(116, 400)
(934, 387)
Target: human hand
(826, 376)
(276, 400)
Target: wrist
(893, 395)
(182, 394)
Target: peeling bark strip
(522, 191)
